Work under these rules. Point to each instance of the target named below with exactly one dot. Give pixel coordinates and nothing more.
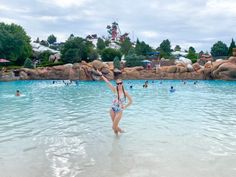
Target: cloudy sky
(197, 23)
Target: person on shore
(119, 102)
(17, 93)
(172, 89)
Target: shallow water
(54, 130)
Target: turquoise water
(54, 130)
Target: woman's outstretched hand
(100, 73)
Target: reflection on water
(55, 130)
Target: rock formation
(220, 69)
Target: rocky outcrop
(225, 70)
(77, 71)
(221, 69)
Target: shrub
(116, 63)
(109, 54)
(28, 63)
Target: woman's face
(119, 83)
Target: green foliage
(125, 46)
(142, 48)
(191, 53)
(100, 44)
(116, 63)
(177, 48)
(71, 37)
(200, 54)
(165, 49)
(28, 63)
(76, 49)
(219, 49)
(133, 60)
(13, 67)
(14, 43)
(107, 42)
(44, 57)
(71, 56)
(109, 54)
(44, 43)
(51, 39)
(232, 45)
(93, 55)
(49, 64)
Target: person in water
(119, 102)
(145, 84)
(172, 89)
(17, 93)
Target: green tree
(14, 43)
(232, 45)
(44, 57)
(200, 54)
(71, 56)
(107, 42)
(108, 54)
(192, 54)
(71, 36)
(28, 63)
(125, 46)
(76, 49)
(93, 55)
(51, 39)
(116, 63)
(177, 48)
(132, 59)
(141, 48)
(165, 48)
(44, 43)
(100, 44)
(219, 49)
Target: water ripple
(66, 130)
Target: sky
(197, 23)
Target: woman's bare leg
(112, 114)
(116, 122)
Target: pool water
(55, 130)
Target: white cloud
(225, 7)
(65, 3)
(8, 20)
(4, 7)
(199, 23)
(48, 18)
(149, 34)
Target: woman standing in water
(118, 104)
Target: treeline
(15, 46)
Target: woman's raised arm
(113, 89)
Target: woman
(118, 104)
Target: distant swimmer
(145, 84)
(17, 93)
(119, 102)
(131, 87)
(195, 82)
(172, 89)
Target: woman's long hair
(119, 94)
